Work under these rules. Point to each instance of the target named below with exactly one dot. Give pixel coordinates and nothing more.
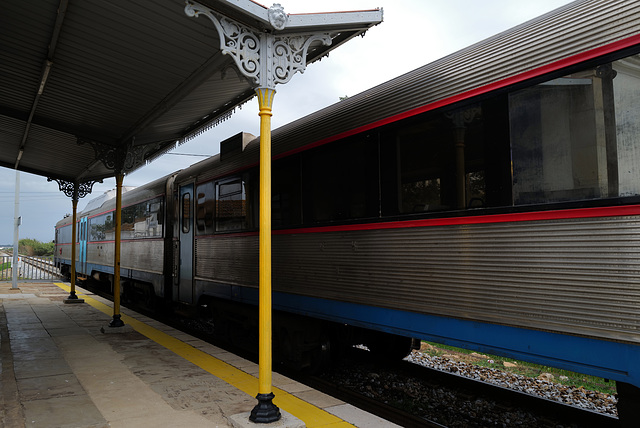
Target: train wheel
(321, 356)
(628, 404)
(65, 270)
(389, 347)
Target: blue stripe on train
(607, 359)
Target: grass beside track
(523, 368)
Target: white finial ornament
(277, 17)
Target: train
(488, 200)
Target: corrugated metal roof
(119, 73)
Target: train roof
(98, 201)
(543, 42)
(540, 45)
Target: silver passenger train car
(488, 200)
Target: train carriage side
(142, 241)
(482, 201)
(62, 252)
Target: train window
(186, 213)
(286, 208)
(447, 160)
(101, 228)
(340, 181)
(205, 204)
(425, 157)
(142, 220)
(574, 137)
(64, 234)
(231, 205)
(626, 93)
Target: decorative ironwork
(264, 57)
(121, 159)
(73, 189)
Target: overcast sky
(414, 33)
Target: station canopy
(81, 80)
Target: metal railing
(29, 269)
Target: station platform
(62, 366)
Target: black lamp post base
(116, 321)
(265, 411)
(73, 298)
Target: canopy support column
(74, 190)
(117, 321)
(265, 411)
(73, 298)
(269, 58)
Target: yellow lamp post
(265, 410)
(74, 190)
(117, 321)
(74, 235)
(270, 55)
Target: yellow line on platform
(312, 416)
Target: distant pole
(16, 224)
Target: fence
(29, 269)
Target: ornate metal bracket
(121, 159)
(74, 189)
(266, 58)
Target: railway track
(479, 398)
(412, 395)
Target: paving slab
(44, 387)
(66, 368)
(41, 367)
(76, 411)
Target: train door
(185, 286)
(81, 267)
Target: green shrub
(32, 247)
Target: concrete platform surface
(63, 366)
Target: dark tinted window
(236, 203)
(205, 208)
(286, 205)
(450, 160)
(340, 180)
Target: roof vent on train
(235, 145)
(109, 194)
